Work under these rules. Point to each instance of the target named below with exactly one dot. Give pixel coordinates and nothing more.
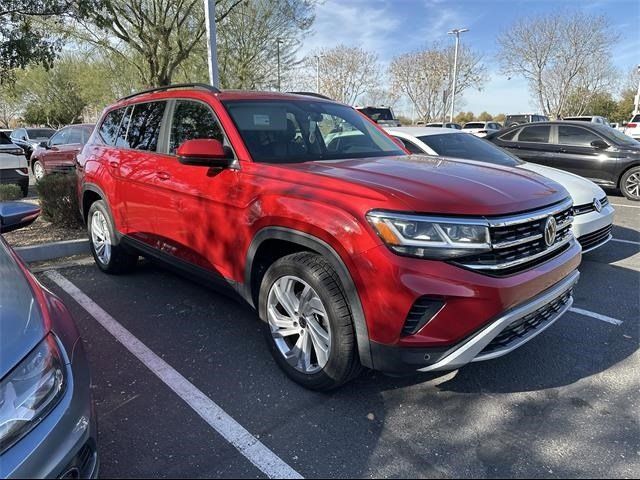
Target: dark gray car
(47, 423)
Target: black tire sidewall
(623, 183)
(337, 370)
(120, 260)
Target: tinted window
(464, 145)
(509, 136)
(535, 134)
(636, 118)
(40, 132)
(109, 128)
(412, 147)
(294, 131)
(568, 135)
(193, 120)
(144, 126)
(4, 139)
(377, 113)
(473, 125)
(60, 138)
(75, 136)
(121, 137)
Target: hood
(439, 185)
(582, 191)
(21, 324)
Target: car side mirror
(204, 153)
(44, 145)
(600, 144)
(15, 215)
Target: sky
(393, 27)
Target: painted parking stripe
(598, 316)
(248, 445)
(623, 205)
(625, 241)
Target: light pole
(210, 20)
(318, 57)
(457, 33)
(278, 42)
(636, 103)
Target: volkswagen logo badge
(550, 231)
(597, 205)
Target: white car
(13, 165)
(633, 127)
(593, 219)
(481, 129)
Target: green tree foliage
(464, 117)
(485, 117)
(500, 118)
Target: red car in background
(58, 154)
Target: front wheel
(108, 253)
(38, 170)
(310, 328)
(630, 183)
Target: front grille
(518, 242)
(593, 239)
(525, 325)
(589, 207)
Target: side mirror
(15, 215)
(44, 145)
(599, 144)
(204, 153)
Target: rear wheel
(38, 170)
(630, 183)
(310, 328)
(109, 254)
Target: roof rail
(311, 94)
(203, 86)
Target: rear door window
(537, 134)
(109, 129)
(75, 136)
(193, 120)
(576, 136)
(144, 126)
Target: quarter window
(509, 136)
(144, 126)
(576, 136)
(193, 120)
(539, 134)
(413, 148)
(109, 128)
(75, 136)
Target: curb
(53, 250)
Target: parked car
(481, 129)
(47, 424)
(511, 120)
(381, 115)
(445, 125)
(633, 127)
(324, 239)
(6, 131)
(29, 138)
(588, 118)
(58, 154)
(593, 215)
(597, 152)
(13, 165)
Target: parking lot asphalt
(564, 405)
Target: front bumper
(64, 442)
(499, 337)
(593, 229)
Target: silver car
(47, 422)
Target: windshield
(40, 132)
(578, 119)
(294, 131)
(377, 114)
(616, 135)
(470, 147)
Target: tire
(630, 184)
(109, 254)
(340, 363)
(38, 170)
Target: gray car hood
(21, 324)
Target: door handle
(163, 176)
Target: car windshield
(295, 131)
(470, 147)
(616, 135)
(578, 119)
(377, 113)
(40, 132)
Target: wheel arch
(625, 170)
(292, 241)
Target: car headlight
(431, 237)
(30, 391)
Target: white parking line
(625, 241)
(248, 445)
(623, 205)
(599, 316)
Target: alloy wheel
(632, 185)
(38, 171)
(299, 324)
(100, 237)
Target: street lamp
(278, 42)
(318, 57)
(457, 33)
(212, 60)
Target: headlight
(431, 237)
(30, 391)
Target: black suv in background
(597, 152)
(511, 120)
(29, 138)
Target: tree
(485, 117)
(464, 117)
(11, 101)
(23, 41)
(346, 73)
(559, 54)
(425, 77)
(154, 36)
(500, 118)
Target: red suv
(353, 252)
(58, 154)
